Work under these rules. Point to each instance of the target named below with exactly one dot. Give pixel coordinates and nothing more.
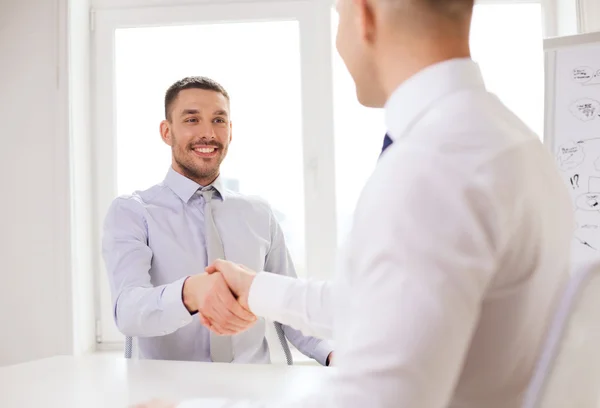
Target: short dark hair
(448, 9)
(193, 82)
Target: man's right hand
(238, 277)
(209, 295)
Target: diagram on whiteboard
(590, 201)
(586, 76)
(570, 155)
(585, 109)
(588, 215)
(573, 132)
(582, 172)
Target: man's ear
(230, 131)
(165, 132)
(365, 19)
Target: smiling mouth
(205, 151)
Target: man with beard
(158, 242)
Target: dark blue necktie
(387, 141)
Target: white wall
(36, 304)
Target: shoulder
(248, 203)
(134, 206)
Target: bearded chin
(195, 173)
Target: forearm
(312, 347)
(151, 311)
(303, 305)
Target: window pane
(506, 41)
(512, 65)
(358, 136)
(259, 65)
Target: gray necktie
(221, 347)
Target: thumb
(216, 266)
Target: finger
(217, 328)
(221, 331)
(217, 266)
(227, 321)
(213, 326)
(232, 306)
(216, 312)
(205, 322)
(244, 267)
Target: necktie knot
(387, 141)
(207, 193)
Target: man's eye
(191, 120)
(220, 120)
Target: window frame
(317, 128)
(314, 19)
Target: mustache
(205, 142)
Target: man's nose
(206, 130)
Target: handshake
(220, 297)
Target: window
(358, 133)
(254, 52)
(265, 156)
(506, 41)
(273, 56)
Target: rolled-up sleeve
(140, 309)
(280, 262)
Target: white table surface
(96, 381)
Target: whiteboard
(572, 131)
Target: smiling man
(158, 242)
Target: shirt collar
(415, 95)
(185, 188)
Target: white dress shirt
(457, 256)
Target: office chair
(128, 347)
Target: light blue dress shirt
(155, 238)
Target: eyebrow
(219, 112)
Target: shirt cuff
(267, 295)
(322, 351)
(171, 302)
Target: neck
(399, 63)
(203, 181)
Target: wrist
(187, 293)
(247, 280)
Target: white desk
(98, 381)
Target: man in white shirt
(460, 243)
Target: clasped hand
(220, 297)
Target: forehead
(199, 98)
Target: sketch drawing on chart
(574, 181)
(588, 215)
(570, 155)
(586, 76)
(585, 109)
